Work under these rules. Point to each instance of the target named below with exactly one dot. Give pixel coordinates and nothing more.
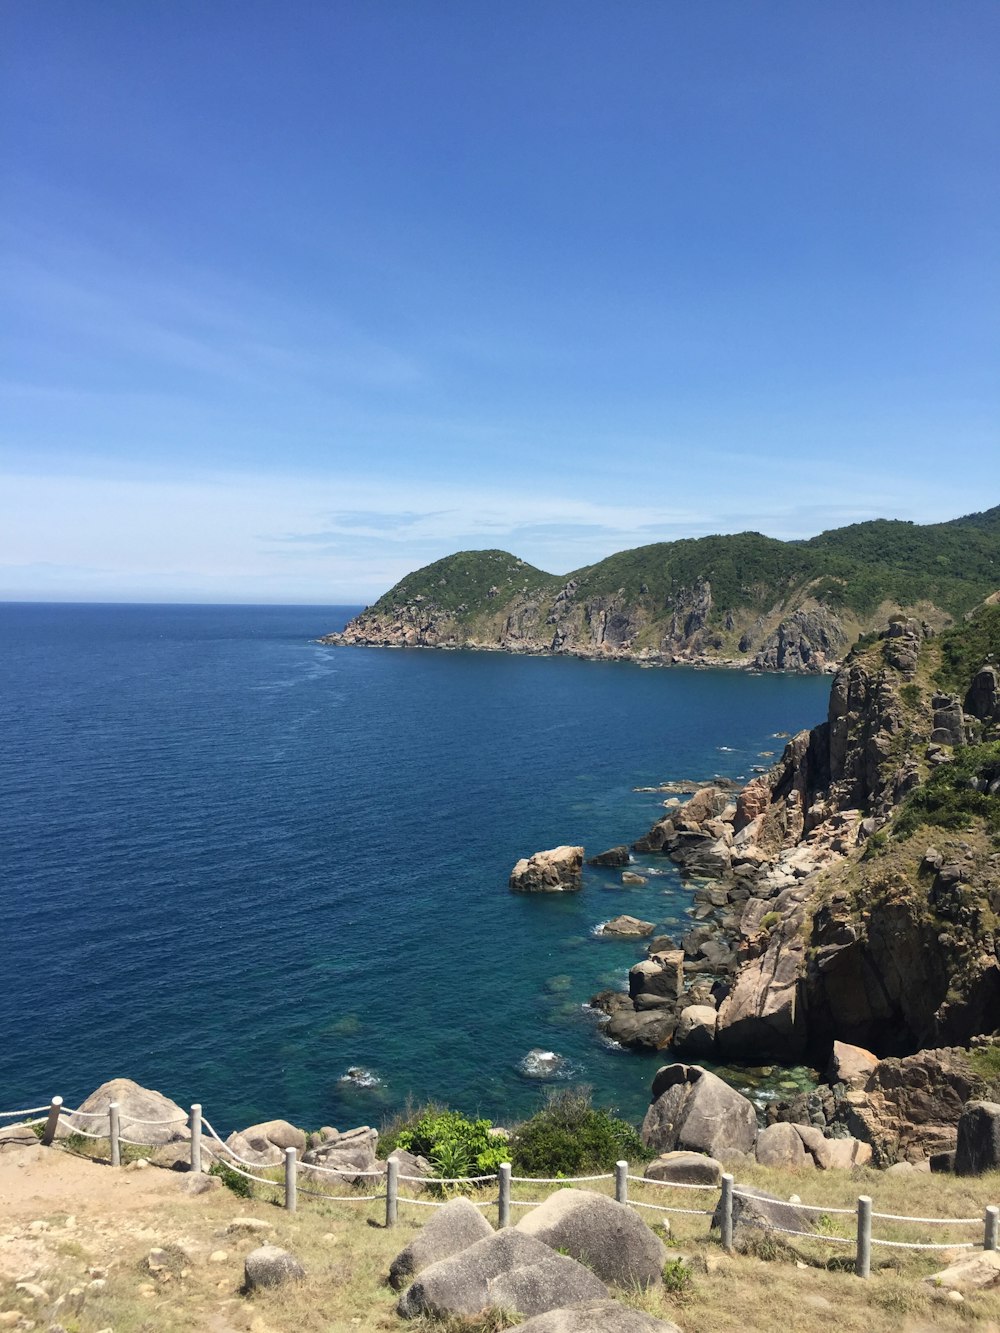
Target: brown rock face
(557, 871)
(910, 1108)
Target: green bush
(454, 1145)
(948, 801)
(232, 1180)
(571, 1137)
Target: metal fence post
(991, 1225)
(391, 1190)
(196, 1137)
(291, 1197)
(114, 1129)
(863, 1259)
(726, 1212)
(504, 1199)
(52, 1124)
(621, 1182)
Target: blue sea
(236, 863)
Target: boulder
(685, 1168)
(694, 1109)
(972, 1273)
(782, 1147)
(596, 1317)
(557, 871)
(647, 1029)
(507, 1270)
(136, 1104)
(265, 1144)
(270, 1266)
(628, 927)
(663, 974)
(351, 1154)
(838, 1154)
(630, 877)
(610, 1238)
(756, 1209)
(450, 1230)
(614, 856)
(695, 1032)
(978, 1146)
(851, 1065)
(16, 1137)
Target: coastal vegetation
(747, 597)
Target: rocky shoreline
(812, 926)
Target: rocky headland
(848, 895)
(744, 600)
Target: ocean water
(235, 863)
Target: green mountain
(743, 598)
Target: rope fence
(732, 1208)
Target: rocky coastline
(815, 924)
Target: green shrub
(232, 1180)
(948, 801)
(454, 1145)
(769, 920)
(676, 1277)
(571, 1137)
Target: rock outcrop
(450, 1230)
(557, 871)
(143, 1114)
(693, 1109)
(610, 1238)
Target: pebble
(38, 1225)
(955, 1297)
(97, 1284)
(218, 1256)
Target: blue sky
(295, 298)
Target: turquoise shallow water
(234, 863)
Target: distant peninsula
(743, 600)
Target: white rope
(807, 1207)
(914, 1245)
(261, 1180)
(933, 1221)
(254, 1166)
(340, 1198)
(421, 1203)
(673, 1184)
(805, 1235)
(340, 1171)
(526, 1203)
(32, 1110)
(85, 1132)
(134, 1143)
(554, 1180)
(661, 1208)
(448, 1180)
(90, 1115)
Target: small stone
(70, 1222)
(330, 1238)
(38, 1226)
(157, 1261)
(218, 1256)
(147, 1289)
(270, 1266)
(955, 1297)
(98, 1284)
(139, 1164)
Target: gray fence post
(291, 1195)
(504, 1199)
(863, 1259)
(991, 1225)
(621, 1182)
(52, 1124)
(114, 1129)
(391, 1190)
(196, 1137)
(726, 1212)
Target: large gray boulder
(978, 1146)
(661, 974)
(685, 1168)
(596, 1317)
(782, 1146)
(505, 1271)
(135, 1105)
(607, 1236)
(695, 1031)
(452, 1229)
(264, 1144)
(694, 1109)
(756, 1210)
(270, 1266)
(351, 1155)
(557, 871)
